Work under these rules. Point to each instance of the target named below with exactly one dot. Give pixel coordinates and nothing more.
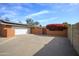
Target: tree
(7, 19)
(36, 23)
(40, 25)
(30, 22)
(20, 22)
(65, 23)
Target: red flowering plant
(56, 27)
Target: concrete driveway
(23, 45)
(29, 45)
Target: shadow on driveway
(57, 47)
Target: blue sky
(44, 13)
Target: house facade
(9, 29)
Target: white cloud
(7, 15)
(7, 12)
(38, 13)
(18, 7)
(48, 19)
(2, 9)
(73, 4)
(71, 7)
(44, 22)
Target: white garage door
(21, 31)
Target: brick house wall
(6, 31)
(9, 31)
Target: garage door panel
(21, 31)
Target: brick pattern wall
(44, 31)
(6, 31)
(57, 33)
(1, 30)
(9, 32)
(36, 30)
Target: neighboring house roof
(13, 24)
(18, 25)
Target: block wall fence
(73, 35)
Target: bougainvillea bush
(56, 27)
